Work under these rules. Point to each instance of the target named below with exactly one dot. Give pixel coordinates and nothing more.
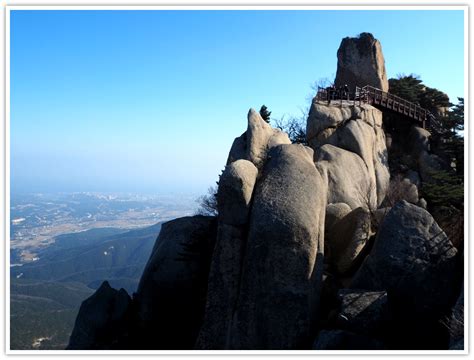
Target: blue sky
(150, 101)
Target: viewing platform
(382, 100)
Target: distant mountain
(119, 258)
(46, 294)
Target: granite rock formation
(312, 247)
(357, 129)
(360, 62)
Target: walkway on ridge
(385, 101)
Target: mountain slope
(119, 256)
(45, 295)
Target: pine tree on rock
(265, 114)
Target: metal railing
(379, 98)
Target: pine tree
(407, 87)
(452, 138)
(446, 189)
(265, 114)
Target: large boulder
(103, 321)
(238, 149)
(324, 120)
(171, 294)
(334, 212)
(259, 138)
(282, 268)
(234, 198)
(346, 176)
(355, 128)
(414, 261)
(360, 62)
(418, 141)
(420, 151)
(363, 312)
(235, 192)
(347, 238)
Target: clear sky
(150, 101)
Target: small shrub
(208, 203)
(294, 127)
(400, 189)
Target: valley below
(64, 245)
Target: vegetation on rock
(265, 114)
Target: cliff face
(311, 249)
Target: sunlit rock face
(356, 131)
(360, 62)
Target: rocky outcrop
(259, 138)
(103, 321)
(419, 141)
(357, 129)
(360, 62)
(170, 299)
(235, 192)
(311, 247)
(346, 176)
(347, 238)
(324, 120)
(277, 304)
(414, 261)
(419, 146)
(234, 195)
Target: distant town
(36, 219)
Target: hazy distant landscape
(64, 245)
(36, 219)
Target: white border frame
(9, 8)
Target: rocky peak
(360, 62)
(306, 251)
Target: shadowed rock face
(235, 192)
(363, 311)
(455, 324)
(103, 320)
(419, 145)
(412, 259)
(282, 267)
(234, 195)
(170, 299)
(347, 238)
(345, 340)
(360, 62)
(334, 213)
